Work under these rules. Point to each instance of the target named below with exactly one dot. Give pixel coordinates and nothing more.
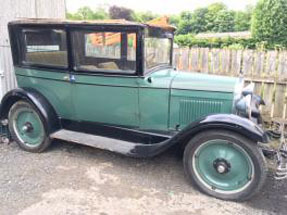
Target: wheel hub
(27, 127)
(221, 166)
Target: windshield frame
(156, 32)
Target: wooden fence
(268, 70)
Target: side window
(108, 52)
(45, 47)
(103, 45)
(132, 45)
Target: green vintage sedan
(111, 85)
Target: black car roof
(111, 22)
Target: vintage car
(111, 85)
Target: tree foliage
(185, 23)
(199, 21)
(212, 15)
(224, 21)
(144, 16)
(174, 19)
(86, 13)
(214, 18)
(116, 12)
(269, 22)
(242, 20)
(189, 40)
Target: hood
(206, 82)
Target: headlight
(243, 106)
(248, 90)
(248, 102)
(243, 103)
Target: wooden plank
(185, 59)
(279, 100)
(271, 64)
(215, 61)
(285, 104)
(225, 61)
(176, 56)
(6, 66)
(211, 61)
(282, 66)
(258, 89)
(236, 62)
(233, 62)
(194, 64)
(258, 68)
(247, 64)
(180, 60)
(204, 60)
(267, 96)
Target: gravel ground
(75, 179)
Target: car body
(111, 85)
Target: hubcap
(221, 169)
(28, 126)
(223, 166)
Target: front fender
(35, 98)
(229, 122)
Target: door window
(44, 47)
(108, 52)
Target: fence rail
(267, 70)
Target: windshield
(157, 52)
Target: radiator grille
(192, 109)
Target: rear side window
(45, 47)
(107, 52)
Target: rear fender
(35, 98)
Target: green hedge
(189, 40)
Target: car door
(105, 88)
(43, 65)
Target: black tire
(44, 140)
(254, 184)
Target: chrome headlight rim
(248, 105)
(244, 106)
(243, 99)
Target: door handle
(149, 80)
(70, 78)
(66, 78)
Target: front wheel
(27, 127)
(225, 165)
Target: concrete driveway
(75, 179)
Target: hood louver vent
(192, 109)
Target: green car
(111, 85)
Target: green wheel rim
(28, 127)
(223, 166)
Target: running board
(114, 145)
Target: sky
(157, 6)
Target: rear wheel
(225, 165)
(27, 127)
